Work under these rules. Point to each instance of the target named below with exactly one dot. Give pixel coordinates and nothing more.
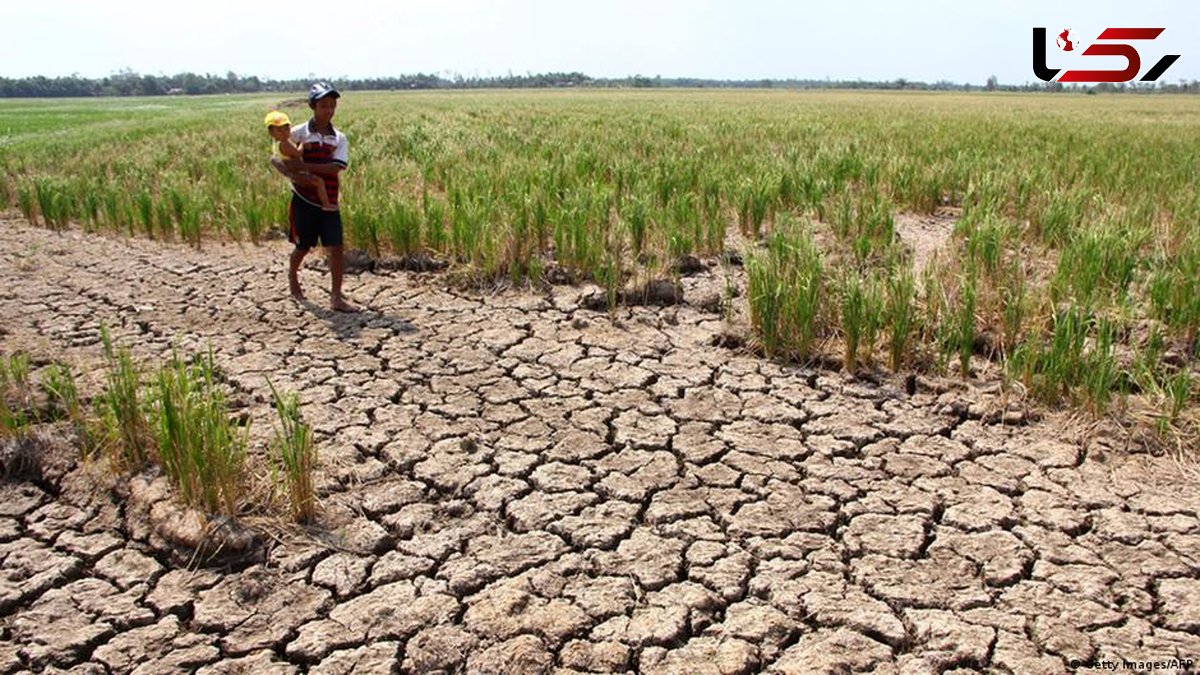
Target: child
(288, 157)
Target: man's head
(278, 125)
(323, 98)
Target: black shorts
(309, 224)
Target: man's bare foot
(297, 293)
(340, 305)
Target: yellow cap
(277, 118)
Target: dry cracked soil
(510, 483)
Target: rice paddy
(1073, 265)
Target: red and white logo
(1105, 45)
(1066, 40)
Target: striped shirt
(321, 148)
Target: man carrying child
(325, 154)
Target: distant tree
(150, 86)
(128, 83)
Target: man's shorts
(309, 224)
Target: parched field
(929, 475)
(1071, 263)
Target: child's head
(278, 125)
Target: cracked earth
(510, 483)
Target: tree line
(129, 83)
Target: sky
(959, 41)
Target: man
(326, 154)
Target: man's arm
(322, 169)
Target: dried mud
(512, 483)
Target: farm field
(1071, 260)
(748, 381)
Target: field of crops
(1074, 262)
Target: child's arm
(280, 166)
(288, 149)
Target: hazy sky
(956, 40)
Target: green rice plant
(1051, 369)
(403, 227)
(63, 394)
(164, 217)
(1099, 372)
(1171, 389)
(435, 223)
(123, 434)
(611, 274)
(91, 211)
(514, 258)
(1159, 287)
(855, 308)
(253, 222)
(576, 245)
(202, 452)
(636, 221)
(176, 208)
(1018, 365)
(899, 315)
(1027, 187)
(933, 292)
(14, 395)
(110, 207)
(755, 206)
(1098, 261)
(294, 456)
(368, 224)
(55, 203)
(144, 202)
(679, 243)
(1061, 216)
(539, 222)
(16, 369)
(1178, 388)
(467, 222)
(1014, 307)
(864, 222)
(609, 277)
(175, 202)
(45, 192)
(25, 202)
(684, 224)
(786, 292)
(189, 223)
(958, 322)
(13, 423)
(1173, 290)
(874, 296)
(966, 322)
(987, 242)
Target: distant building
(174, 91)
